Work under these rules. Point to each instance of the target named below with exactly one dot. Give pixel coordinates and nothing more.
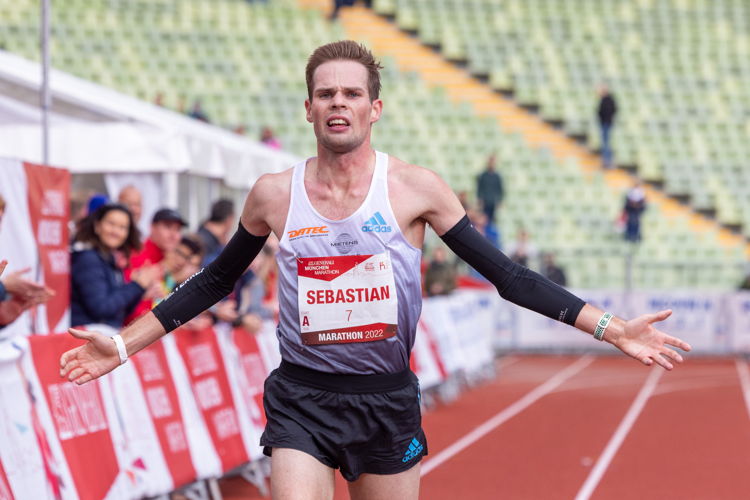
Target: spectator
(131, 197)
(337, 4)
(606, 111)
(267, 138)
(253, 289)
(99, 293)
(552, 271)
(198, 113)
(10, 308)
(440, 276)
(166, 229)
(178, 265)
(490, 189)
(214, 233)
(159, 99)
(635, 205)
(522, 251)
(16, 293)
(95, 201)
(189, 254)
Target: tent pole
(45, 94)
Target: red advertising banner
(210, 384)
(161, 397)
(254, 373)
(48, 192)
(5, 493)
(79, 418)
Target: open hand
(644, 342)
(18, 286)
(95, 358)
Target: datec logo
(308, 231)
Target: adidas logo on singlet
(415, 448)
(376, 224)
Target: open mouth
(337, 123)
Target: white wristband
(121, 351)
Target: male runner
(351, 223)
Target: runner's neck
(342, 172)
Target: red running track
(589, 427)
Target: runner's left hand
(646, 343)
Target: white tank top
(350, 290)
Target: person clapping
(101, 248)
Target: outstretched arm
(637, 338)
(99, 355)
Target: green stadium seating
(245, 62)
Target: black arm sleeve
(212, 283)
(514, 282)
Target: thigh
(295, 475)
(404, 486)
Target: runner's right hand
(97, 357)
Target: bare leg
(404, 486)
(295, 475)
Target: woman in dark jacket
(99, 294)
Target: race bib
(348, 298)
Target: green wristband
(602, 325)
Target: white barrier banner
(247, 373)
(736, 329)
(143, 468)
(19, 450)
(534, 331)
(426, 362)
(463, 326)
(696, 317)
(34, 235)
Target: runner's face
(340, 111)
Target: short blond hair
(345, 50)
(2, 203)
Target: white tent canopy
(125, 135)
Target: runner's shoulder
(272, 187)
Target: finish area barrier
(189, 407)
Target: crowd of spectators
(116, 276)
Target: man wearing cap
(165, 235)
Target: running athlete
(351, 223)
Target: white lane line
(592, 481)
(744, 374)
(509, 412)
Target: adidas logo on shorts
(415, 448)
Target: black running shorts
(356, 423)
